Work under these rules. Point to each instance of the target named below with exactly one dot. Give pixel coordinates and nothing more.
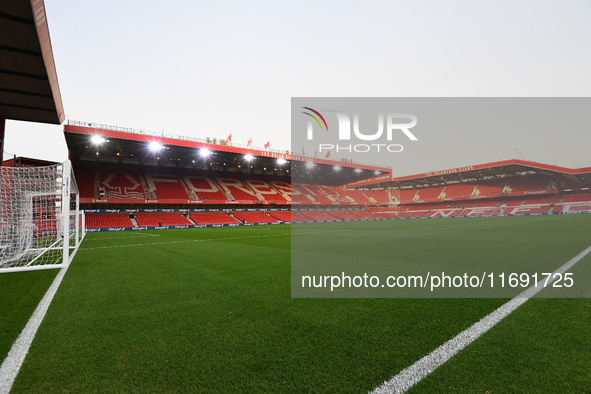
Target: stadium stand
(458, 191)
(318, 216)
(165, 186)
(213, 218)
(574, 208)
(297, 216)
(108, 220)
(86, 185)
(530, 184)
(281, 216)
(235, 189)
(120, 185)
(180, 183)
(203, 188)
(264, 191)
(584, 197)
(254, 217)
(161, 219)
(359, 197)
(489, 188)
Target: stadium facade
(133, 179)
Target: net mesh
(32, 216)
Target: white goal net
(41, 225)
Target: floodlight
(97, 139)
(155, 146)
(337, 168)
(358, 170)
(204, 152)
(377, 172)
(248, 157)
(309, 164)
(281, 161)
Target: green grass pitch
(211, 310)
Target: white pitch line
(208, 239)
(122, 237)
(15, 357)
(410, 376)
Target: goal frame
(69, 222)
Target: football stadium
(154, 262)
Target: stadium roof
(123, 146)
(27, 162)
(28, 80)
(481, 171)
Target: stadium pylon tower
(37, 229)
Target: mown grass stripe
(411, 375)
(208, 239)
(15, 357)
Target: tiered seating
(380, 196)
(577, 208)
(359, 197)
(491, 188)
(314, 192)
(542, 199)
(445, 212)
(378, 215)
(522, 209)
(213, 218)
(108, 220)
(380, 212)
(236, 189)
(335, 194)
(568, 183)
(203, 188)
(412, 214)
(341, 215)
(299, 195)
(576, 198)
(254, 217)
(265, 190)
(296, 216)
(283, 216)
(482, 203)
(409, 196)
(167, 219)
(431, 193)
(85, 182)
(166, 186)
(121, 185)
(480, 211)
(358, 214)
(459, 191)
(285, 190)
(318, 216)
(512, 203)
(529, 184)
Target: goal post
(41, 224)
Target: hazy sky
(208, 69)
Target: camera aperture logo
(350, 136)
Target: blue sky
(208, 69)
